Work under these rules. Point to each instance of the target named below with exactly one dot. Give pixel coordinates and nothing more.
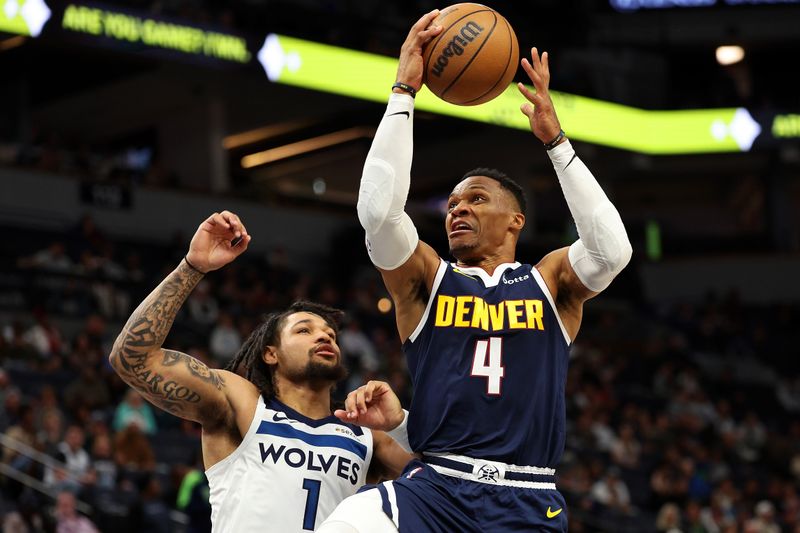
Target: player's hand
(374, 405)
(542, 114)
(409, 71)
(220, 239)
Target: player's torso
(289, 472)
(489, 365)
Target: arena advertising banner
(367, 76)
(318, 66)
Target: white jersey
(289, 473)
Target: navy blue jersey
(489, 365)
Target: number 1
(494, 370)
(312, 500)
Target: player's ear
(271, 355)
(518, 221)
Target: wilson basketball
(475, 56)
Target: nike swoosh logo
(406, 113)
(278, 419)
(553, 514)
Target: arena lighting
(24, 17)
(308, 145)
(12, 42)
(729, 55)
(366, 76)
(237, 140)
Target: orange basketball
(474, 58)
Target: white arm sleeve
(603, 248)
(391, 236)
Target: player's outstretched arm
(603, 248)
(175, 381)
(394, 247)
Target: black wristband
(406, 87)
(185, 258)
(552, 144)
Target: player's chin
(461, 248)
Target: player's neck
(313, 402)
(488, 263)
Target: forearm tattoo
(144, 333)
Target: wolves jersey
(488, 362)
(289, 472)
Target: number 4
(494, 370)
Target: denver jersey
(289, 472)
(489, 362)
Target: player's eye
(451, 205)
(303, 330)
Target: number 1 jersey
(289, 473)
(489, 363)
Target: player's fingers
(534, 75)
(220, 221)
(527, 110)
(425, 21)
(537, 63)
(234, 222)
(361, 405)
(546, 63)
(240, 244)
(350, 404)
(428, 34)
(342, 415)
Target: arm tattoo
(197, 368)
(144, 333)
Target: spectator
(89, 390)
(24, 432)
(53, 258)
(70, 452)
(132, 451)
(67, 518)
(626, 449)
(669, 519)
(612, 492)
(102, 458)
(225, 339)
(764, 520)
(134, 410)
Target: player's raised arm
(175, 381)
(392, 241)
(603, 249)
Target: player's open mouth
(459, 228)
(325, 350)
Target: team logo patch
(345, 431)
(488, 473)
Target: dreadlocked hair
(250, 355)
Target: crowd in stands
(682, 418)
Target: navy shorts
(424, 500)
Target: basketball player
(276, 458)
(486, 337)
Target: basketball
(475, 56)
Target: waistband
(492, 472)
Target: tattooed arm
(175, 381)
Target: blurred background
(124, 124)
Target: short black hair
(505, 182)
(268, 333)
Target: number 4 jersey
(289, 472)
(489, 362)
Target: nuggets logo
(488, 473)
(474, 312)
